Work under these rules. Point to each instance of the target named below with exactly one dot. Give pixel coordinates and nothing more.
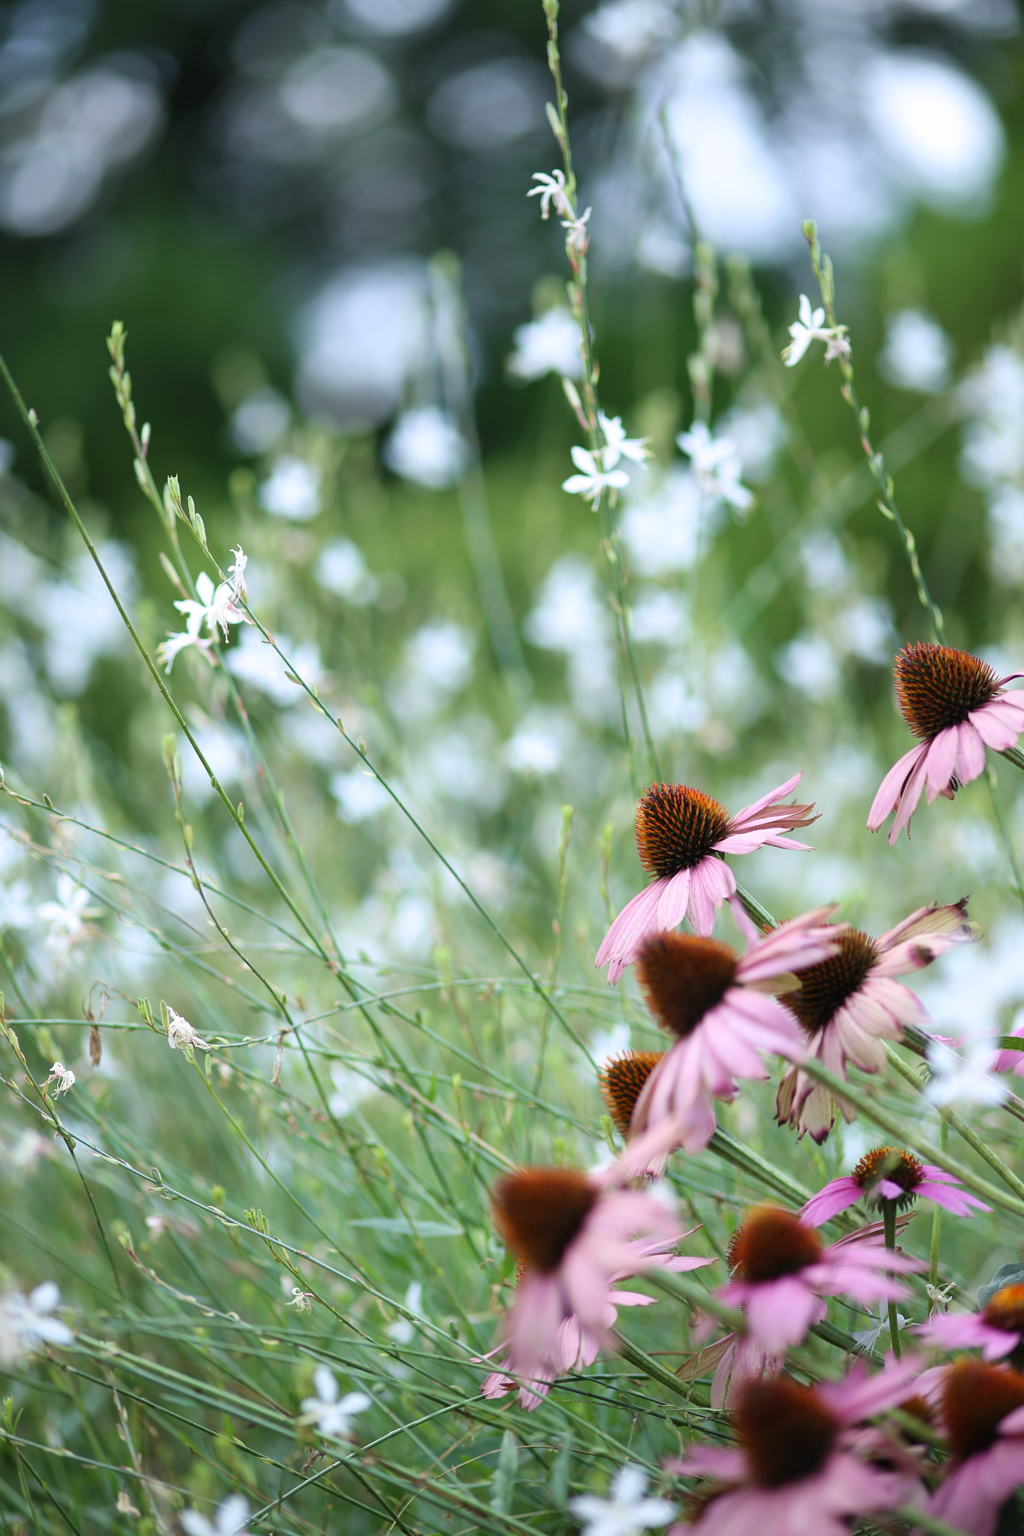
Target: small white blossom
(617, 445)
(963, 1079)
(169, 649)
(578, 235)
(627, 1512)
(402, 1330)
(236, 574)
(125, 1505)
(302, 1301)
(26, 1323)
(593, 479)
(333, 1418)
(427, 447)
(230, 1519)
(551, 191)
(868, 1338)
(216, 606)
(549, 344)
(810, 327)
(292, 490)
(62, 1078)
(67, 916)
(716, 466)
(180, 1033)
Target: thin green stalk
(889, 1225)
(933, 1256)
(654, 1368)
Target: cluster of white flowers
(67, 916)
(811, 327)
(27, 1323)
(554, 193)
(331, 1415)
(213, 607)
(61, 1078)
(598, 469)
(716, 467)
(181, 1034)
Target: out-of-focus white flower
(426, 446)
(62, 1078)
(809, 662)
(627, 1512)
(260, 421)
(301, 1300)
(402, 1330)
(810, 327)
(17, 908)
(358, 795)
(350, 1089)
(716, 466)
(331, 1415)
(917, 353)
(67, 916)
(258, 662)
(577, 236)
(992, 398)
(963, 1077)
(236, 574)
(757, 431)
(341, 568)
(26, 1323)
(593, 479)
(549, 344)
(168, 650)
(868, 1338)
(230, 1519)
(181, 1034)
(28, 1148)
(292, 489)
(552, 193)
(617, 445)
(540, 743)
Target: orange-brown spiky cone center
(772, 1243)
(975, 1398)
(938, 687)
(825, 987)
(1006, 1309)
(539, 1211)
(683, 977)
(786, 1430)
(622, 1079)
(889, 1163)
(676, 827)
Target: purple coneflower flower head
(850, 1003)
(781, 1272)
(890, 1176)
(796, 1469)
(982, 1411)
(718, 1006)
(954, 703)
(997, 1330)
(574, 1235)
(679, 834)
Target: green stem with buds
(889, 1224)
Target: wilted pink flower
(982, 1411)
(742, 1360)
(795, 1471)
(957, 707)
(679, 832)
(718, 1006)
(890, 1175)
(996, 1330)
(574, 1235)
(847, 1005)
(782, 1271)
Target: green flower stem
(889, 1224)
(933, 1257)
(657, 1371)
(917, 1518)
(1013, 755)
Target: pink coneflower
(957, 707)
(717, 1005)
(1009, 1060)
(890, 1175)
(847, 1005)
(795, 1471)
(679, 833)
(574, 1235)
(982, 1410)
(997, 1330)
(782, 1271)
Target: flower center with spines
(890, 1163)
(683, 977)
(676, 827)
(771, 1244)
(1005, 1310)
(622, 1080)
(938, 687)
(825, 987)
(539, 1211)
(786, 1431)
(975, 1399)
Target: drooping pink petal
(970, 756)
(973, 1493)
(949, 921)
(909, 797)
(997, 729)
(674, 899)
(780, 1312)
(860, 1396)
(892, 786)
(749, 813)
(940, 759)
(712, 881)
(638, 918)
(828, 1202)
(956, 1201)
(966, 1330)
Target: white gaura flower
(332, 1417)
(180, 1033)
(26, 1323)
(169, 649)
(617, 445)
(402, 1330)
(216, 606)
(627, 1512)
(67, 916)
(810, 327)
(549, 344)
(62, 1078)
(426, 446)
(716, 466)
(552, 193)
(963, 1078)
(593, 479)
(230, 1519)
(236, 574)
(292, 489)
(868, 1338)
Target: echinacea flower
(997, 1330)
(982, 1411)
(331, 1414)
(679, 832)
(795, 1471)
(574, 1234)
(850, 1003)
(781, 1272)
(890, 1176)
(956, 705)
(717, 1004)
(628, 1511)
